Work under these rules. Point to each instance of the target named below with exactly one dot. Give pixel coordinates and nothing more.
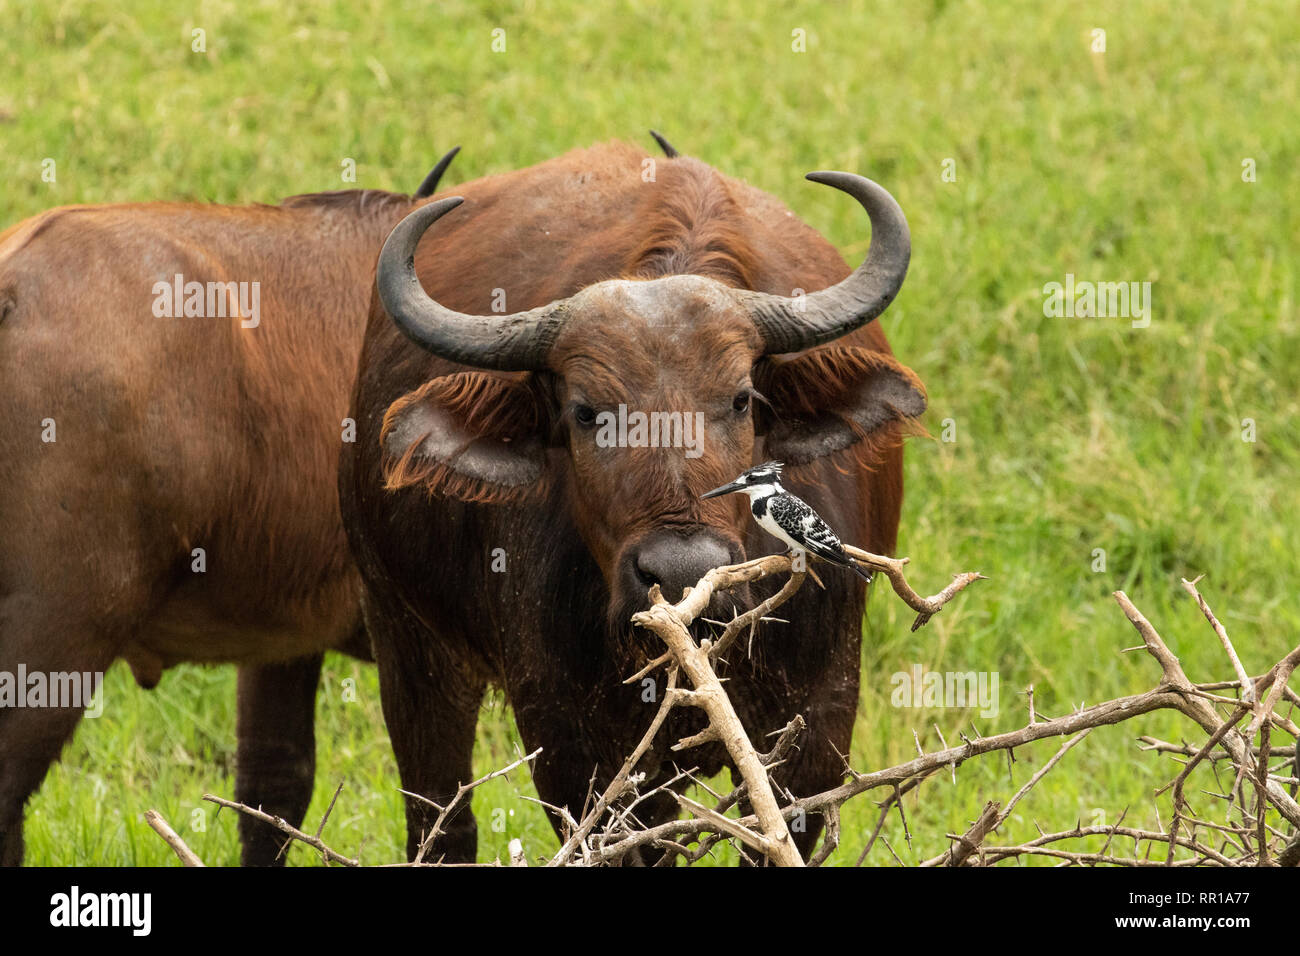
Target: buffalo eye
(741, 402)
(584, 415)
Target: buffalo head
(625, 367)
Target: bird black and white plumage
(788, 517)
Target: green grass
(1072, 434)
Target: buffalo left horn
(798, 323)
(508, 343)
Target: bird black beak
(724, 490)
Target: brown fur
(824, 380)
(697, 228)
(175, 434)
(551, 627)
(485, 405)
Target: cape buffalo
(503, 542)
(175, 383)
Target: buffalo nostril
(676, 562)
(647, 578)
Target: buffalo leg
(563, 772)
(276, 764)
(816, 764)
(30, 740)
(430, 696)
(31, 737)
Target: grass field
(1072, 434)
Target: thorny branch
(609, 831)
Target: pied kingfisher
(787, 517)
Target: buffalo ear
(470, 435)
(833, 398)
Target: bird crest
(766, 469)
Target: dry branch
(1174, 692)
(462, 794)
(670, 623)
(315, 842)
(892, 568)
(172, 838)
(609, 831)
(1247, 687)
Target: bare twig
(892, 568)
(1247, 687)
(172, 838)
(284, 826)
(620, 784)
(462, 794)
